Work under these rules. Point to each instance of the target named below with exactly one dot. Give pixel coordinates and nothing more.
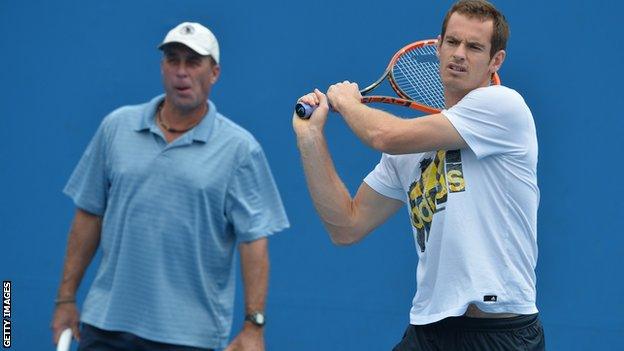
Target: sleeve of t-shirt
(253, 203)
(492, 120)
(88, 184)
(384, 179)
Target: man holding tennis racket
(168, 189)
(468, 178)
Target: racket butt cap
(304, 111)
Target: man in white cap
(169, 188)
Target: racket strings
(416, 74)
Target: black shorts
(483, 334)
(96, 339)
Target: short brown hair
(484, 11)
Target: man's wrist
(343, 105)
(309, 136)
(64, 300)
(249, 327)
(255, 318)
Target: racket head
(414, 74)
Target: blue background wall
(66, 64)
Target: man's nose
(460, 52)
(181, 69)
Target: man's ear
(497, 61)
(216, 71)
(438, 44)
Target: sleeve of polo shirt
(88, 184)
(253, 204)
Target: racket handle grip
(303, 110)
(64, 342)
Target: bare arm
(347, 220)
(255, 271)
(84, 238)
(387, 133)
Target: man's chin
(185, 102)
(453, 85)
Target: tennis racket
(64, 341)
(414, 74)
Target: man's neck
(181, 118)
(450, 98)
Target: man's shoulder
(234, 133)
(494, 100)
(135, 111)
(123, 113)
(497, 93)
(128, 116)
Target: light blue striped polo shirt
(172, 216)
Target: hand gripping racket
(414, 74)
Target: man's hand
(251, 338)
(65, 316)
(343, 94)
(316, 122)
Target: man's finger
(76, 331)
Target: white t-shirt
(473, 211)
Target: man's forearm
(372, 126)
(84, 238)
(393, 135)
(255, 271)
(329, 195)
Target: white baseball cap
(197, 37)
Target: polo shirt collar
(201, 132)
